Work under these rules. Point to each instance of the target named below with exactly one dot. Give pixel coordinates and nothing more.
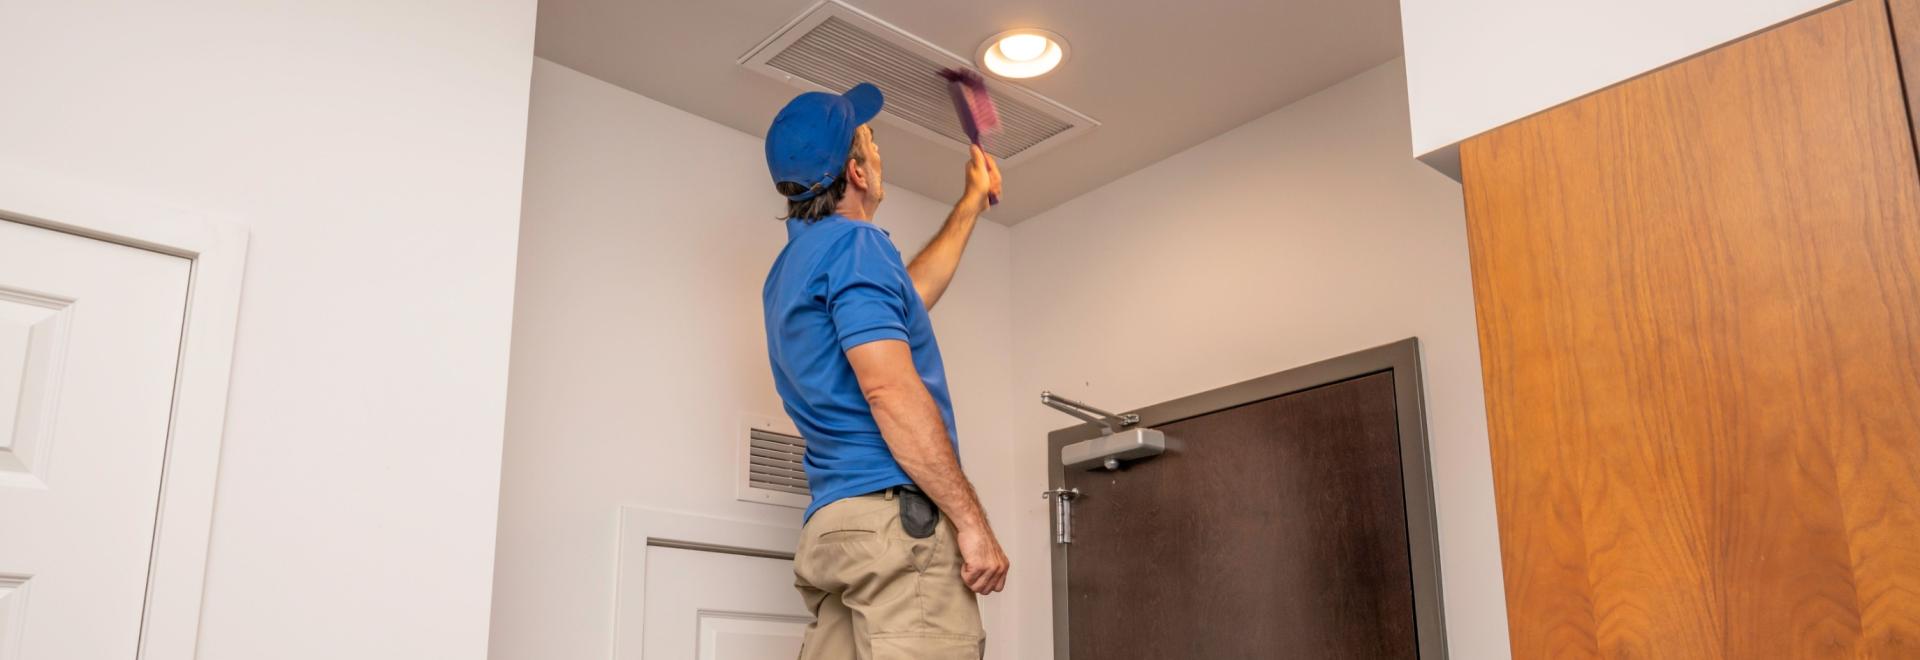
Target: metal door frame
(1402, 358)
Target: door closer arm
(1121, 443)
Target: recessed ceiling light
(1022, 53)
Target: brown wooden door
(1275, 529)
(1699, 306)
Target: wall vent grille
(775, 461)
(772, 468)
(833, 46)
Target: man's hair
(821, 205)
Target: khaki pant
(877, 593)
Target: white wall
(1304, 235)
(375, 149)
(647, 233)
(1473, 65)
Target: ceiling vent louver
(771, 464)
(832, 47)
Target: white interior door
(89, 342)
(717, 606)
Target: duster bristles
(975, 107)
(977, 114)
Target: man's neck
(853, 208)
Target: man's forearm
(932, 270)
(917, 435)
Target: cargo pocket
(928, 646)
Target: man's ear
(856, 175)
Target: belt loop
(890, 491)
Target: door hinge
(1062, 512)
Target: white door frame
(642, 528)
(176, 574)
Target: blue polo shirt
(838, 284)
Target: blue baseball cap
(809, 139)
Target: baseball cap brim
(866, 100)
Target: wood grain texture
(1905, 18)
(1699, 305)
(1276, 529)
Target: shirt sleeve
(866, 291)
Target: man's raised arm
(932, 270)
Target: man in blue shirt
(895, 545)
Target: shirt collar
(796, 226)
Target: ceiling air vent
(833, 47)
(771, 467)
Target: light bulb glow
(1022, 53)
(1024, 47)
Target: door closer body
(1109, 450)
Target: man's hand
(983, 565)
(983, 179)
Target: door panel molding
(1402, 358)
(217, 249)
(30, 382)
(13, 614)
(643, 529)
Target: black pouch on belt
(918, 515)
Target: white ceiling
(1160, 76)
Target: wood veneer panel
(1276, 530)
(1905, 15)
(1699, 304)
